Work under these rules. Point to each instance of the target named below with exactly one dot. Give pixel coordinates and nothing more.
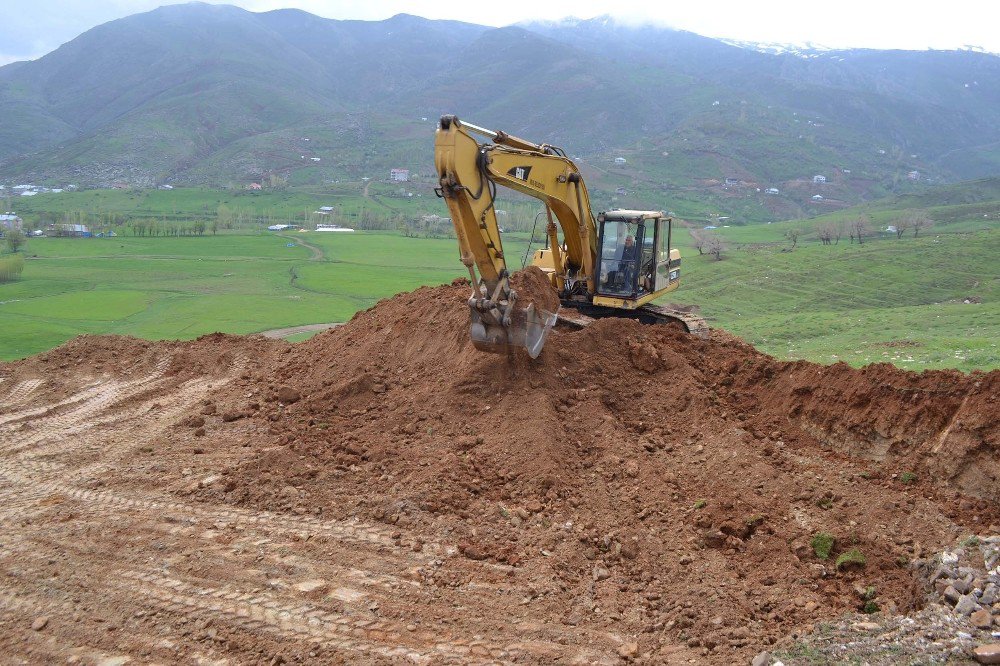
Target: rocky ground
(384, 493)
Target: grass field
(890, 300)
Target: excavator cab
(634, 256)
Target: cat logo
(521, 172)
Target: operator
(630, 256)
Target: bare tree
(825, 233)
(793, 235)
(15, 239)
(699, 240)
(902, 224)
(920, 221)
(859, 228)
(714, 246)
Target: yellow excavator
(614, 264)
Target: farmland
(892, 300)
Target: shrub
(851, 558)
(11, 267)
(822, 544)
(701, 504)
(907, 477)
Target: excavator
(614, 264)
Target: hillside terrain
(214, 95)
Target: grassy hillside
(214, 95)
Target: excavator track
(577, 315)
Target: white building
(772, 190)
(331, 227)
(620, 160)
(399, 175)
(819, 179)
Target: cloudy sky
(32, 28)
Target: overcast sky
(32, 28)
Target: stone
(990, 595)
(600, 573)
(987, 654)
(962, 585)
(982, 619)
(951, 594)
(288, 395)
(966, 605)
(40, 623)
(631, 650)
(309, 586)
(762, 659)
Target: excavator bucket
(500, 329)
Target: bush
(907, 477)
(851, 558)
(822, 545)
(11, 267)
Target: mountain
(214, 94)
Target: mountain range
(216, 95)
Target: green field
(898, 300)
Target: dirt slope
(634, 491)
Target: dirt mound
(532, 286)
(688, 498)
(648, 480)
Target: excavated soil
(384, 492)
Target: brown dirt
(532, 286)
(384, 491)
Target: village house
(10, 221)
(819, 179)
(620, 160)
(399, 175)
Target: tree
(793, 235)
(902, 225)
(714, 246)
(859, 228)
(699, 241)
(825, 232)
(15, 239)
(920, 221)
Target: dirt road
(104, 545)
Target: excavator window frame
(639, 236)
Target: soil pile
(649, 481)
(694, 497)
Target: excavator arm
(468, 174)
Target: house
(621, 191)
(326, 209)
(819, 179)
(817, 197)
(72, 230)
(165, 187)
(732, 182)
(29, 193)
(254, 186)
(913, 175)
(772, 190)
(10, 221)
(331, 227)
(620, 160)
(399, 175)
(315, 159)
